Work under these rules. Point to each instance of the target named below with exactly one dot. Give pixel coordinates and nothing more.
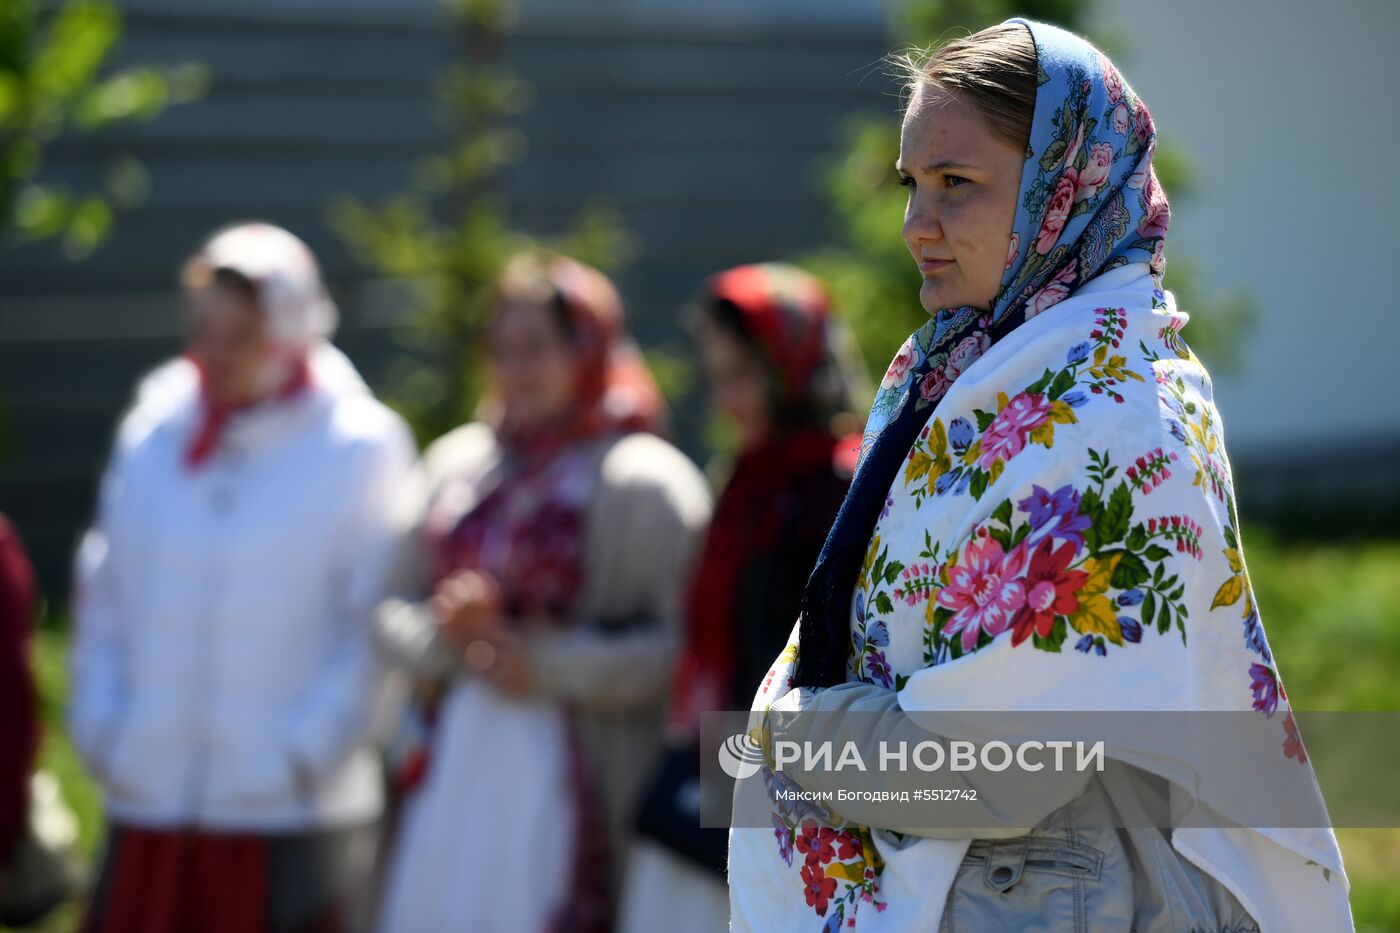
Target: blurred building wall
(703, 124)
(1284, 109)
(700, 122)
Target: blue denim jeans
(1075, 873)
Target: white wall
(1288, 109)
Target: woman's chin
(935, 297)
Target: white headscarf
(282, 268)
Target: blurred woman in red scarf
(223, 665)
(19, 717)
(557, 533)
(780, 378)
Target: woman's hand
(468, 607)
(511, 671)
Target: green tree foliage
(869, 270)
(55, 79)
(445, 240)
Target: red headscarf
(786, 313)
(615, 393)
(786, 310)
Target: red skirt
(187, 881)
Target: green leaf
(1114, 523)
(893, 570)
(1002, 513)
(1149, 607)
(1164, 617)
(978, 484)
(1156, 553)
(984, 419)
(1090, 505)
(1037, 387)
(1089, 502)
(882, 602)
(1062, 384)
(1129, 572)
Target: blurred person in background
(558, 532)
(19, 717)
(778, 373)
(223, 664)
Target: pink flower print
(1013, 250)
(1055, 291)
(1072, 151)
(1122, 119)
(934, 385)
(899, 367)
(1095, 171)
(918, 583)
(1051, 590)
(1057, 211)
(984, 591)
(1182, 529)
(1293, 745)
(1143, 127)
(967, 352)
(1151, 470)
(1006, 436)
(1112, 80)
(1144, 168)
(1157, 214)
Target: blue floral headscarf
(1089, 202)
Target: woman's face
(229, 339)
(534, 364)
(738, 385)
(963, 182)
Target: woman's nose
(921, 222)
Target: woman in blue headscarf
(1043, 518)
